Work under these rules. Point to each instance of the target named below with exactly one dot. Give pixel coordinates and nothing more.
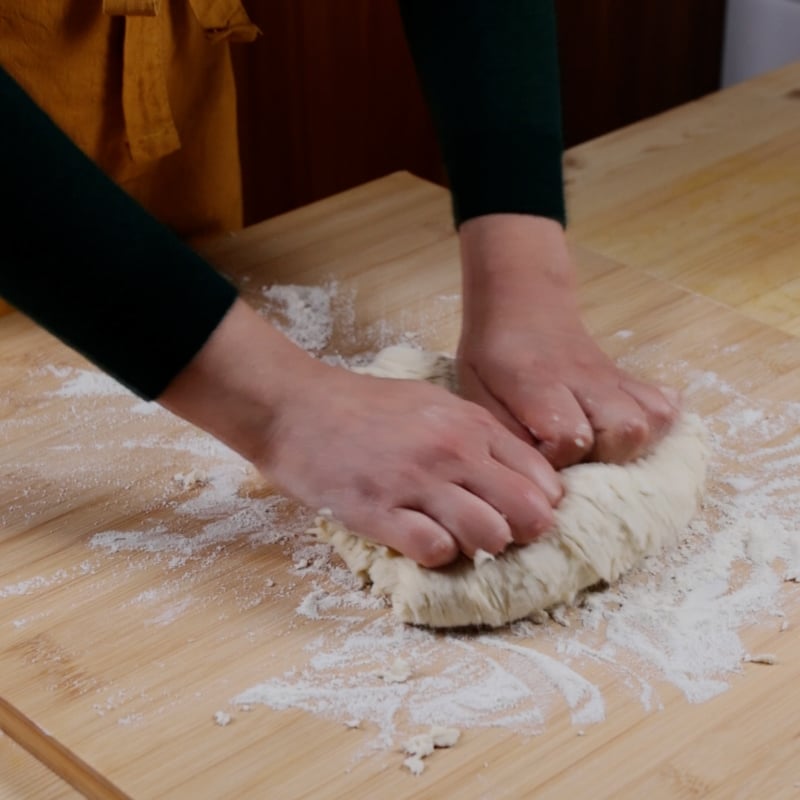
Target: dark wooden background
(328, 97)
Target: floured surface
(135, 606)
(610, 518)
(676, 623)
(208, 527)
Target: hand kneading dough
(610, 518)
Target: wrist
(514, 263)
(237, 384)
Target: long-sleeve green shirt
(89, 264)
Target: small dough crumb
(420, 745)
(191, 479)
(444, 737)
(481, 557)
(399, 672)
(222, 718)
(559, 615)
(762, 658)
(415, 765)
(353, 724)
(423, 744)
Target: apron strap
(149, 124)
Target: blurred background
(328, 97)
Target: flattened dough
(610, 518)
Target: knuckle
(663, 415)
(446, 448)
(478, 420)
(368, 488)
(484, 418)
(635, 431)
(406, 479)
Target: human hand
(411, 466)
(525, 355)
(405, 463)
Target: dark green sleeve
(84, 260)
(489, 70)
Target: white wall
(760, 35)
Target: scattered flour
(679, 620)
(399, 671)
(39, 582)
(762, 658)
(303, 313)
(90, 383)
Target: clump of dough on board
(611, 517)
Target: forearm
(489, 71)
(89, 264)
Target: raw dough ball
(610, 518)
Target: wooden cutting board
(705, 196)
(124, 655)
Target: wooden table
(123, 654)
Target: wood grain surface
(22, 777)
(124, 654)
(705, 196)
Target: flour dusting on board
(679, 620)
(303, 313)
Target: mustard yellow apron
(145, 88)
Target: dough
(423, 744)
(610, 518)
(399, 672)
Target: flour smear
(676, 621)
